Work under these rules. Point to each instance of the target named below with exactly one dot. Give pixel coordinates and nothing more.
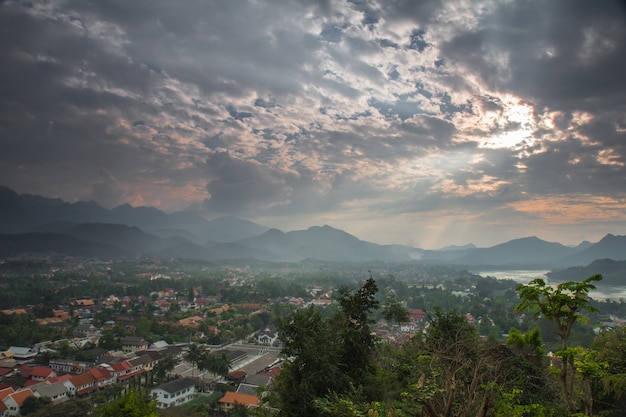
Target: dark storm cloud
(318, 109)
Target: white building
(173, 393)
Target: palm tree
(216, 364)
(194, 356)
(163, 367)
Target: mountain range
(38, 225)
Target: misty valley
(169, 315)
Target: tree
(312, 364)
(326, 356)
(163, 367)
(354, 327)
(130, 405)
(75, 407)
(218, 364)
(394, 311)
(450, 371)
(610, 345)
(193, 356)
(563, 306)
(32, 404)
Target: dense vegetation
(334, 367)
(495, 364)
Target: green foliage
(529, 342)
(325, 355)
(130, 405)
(218, 364)
(32, 404)
(563, 306)
(394, 311)
(75, 407)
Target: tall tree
(193, 356)
(325, 356)
(354, 325)
(163, 367)
(563, 306)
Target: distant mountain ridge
(33, 224)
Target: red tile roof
(82, 379)
(31, 382)
(61, 378)
(237, 398)
(6, 392)
(41, 371)
(121, 366)
(20, 396)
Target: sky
(427, 123)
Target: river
(525, 276)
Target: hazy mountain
(230, 229)
(457, 248)
(528, 251)
(55, 244)
(325, 243)
(25, 213)
(613, 273)
(86, 227)
(610, 246)
(130, 238)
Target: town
(195, 335)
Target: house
(86, 330)
(65, 366)
(416, 316)
(267, 336)
(56, 392)
(133, 344)
(5, 392)
(7, 360)
(102, 377)
(174, 393)
(228, 401)
(161, 344)
(84, 303)
(41, 373)
(120, 370)
(237, 376)
(410, 327)
(15, 401)
(253, 383)
(79, 385)
(23, 354)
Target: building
(80, 384)
(23, 354)
(15, 401)
(133, 344)
(56, 392)
(174, 393)
(267, 336)
(228, 401)
(41, 373)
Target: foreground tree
(75, 407)
(562, 306)
(325, 357)
(451, 371)
(130, 405)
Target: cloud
(351, 112)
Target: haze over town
(427, 123)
